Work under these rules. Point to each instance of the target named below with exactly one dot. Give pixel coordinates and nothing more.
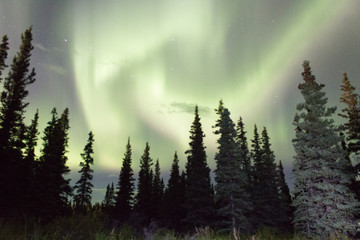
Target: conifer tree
(218, 111)
(256, 155)
(352, 129)
(84, 186)
(352, 114)
(29, 165)
(3, 54)
(245, 164)
(12, 127)
(174, 197)
(323, 203)
(244, 157)
(144, 195)
(231, 197)
(109, 200)
(285, 210)
(158, 190)
(52, 188)
(126, 186)
(199, 202)
(266, 198)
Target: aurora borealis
(137, 68)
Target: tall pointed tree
(12, 127)
(108, 203)
(219, 111)
(352, 114)
(83, 187)
(285, 210)
(144, 195)
(324, 204)
(231, 197)
(158, 190)
(126, 186)
(199, 202)
(3, 54)
(29, 165)
(351, 143)
(174, 197)
(245, 159)
(266, 198)
(52, 188)
(256, 155)
(245, 164)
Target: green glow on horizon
(131, 61)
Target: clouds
(184, 107)
(41, 47)
(54, 68)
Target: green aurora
(137, 68)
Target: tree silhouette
(83, 187)
(199, 201)
(12, 127)
(125, 193)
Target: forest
(248, 199)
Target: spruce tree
(352, 114)
(352, 129)
(219, 112)
(12, 127)
(323, 203)
(3, 54)
(199, 201)
(83, 187)
(245, 163)
(285, 210)
(244, 154)
(158, 191)
(266, 198)
(174, 197)
(231, 197)
(257, 214)
(29, 165)
(144, 195)
(109, 200)
(126, 186)
(52, 188)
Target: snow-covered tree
(323, 203)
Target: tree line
(249, 191)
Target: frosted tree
(231, 197)
(323, 203)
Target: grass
(90, 227)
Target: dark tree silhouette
(3, 54)
(285, 210)
(199, 201)
(83, 187)
(158, 191)
(52, 188)
(12, 127)
(174, 198)
(126, 186)
(232, 200)
(144, 196)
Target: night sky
(136, 68)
